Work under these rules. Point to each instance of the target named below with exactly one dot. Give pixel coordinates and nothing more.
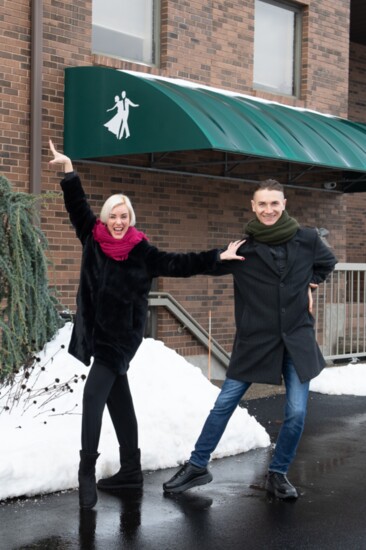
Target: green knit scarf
(280, 232)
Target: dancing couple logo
(118, 125)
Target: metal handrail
(164, 299)
(340, 312)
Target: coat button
(282, 285)
(283, 310)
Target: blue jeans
(228, 399)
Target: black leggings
(103, 387)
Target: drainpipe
(36, 96)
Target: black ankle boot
(128, 477)
(87, 484)
(279, 485)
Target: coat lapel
(264, 252)
(292, 249)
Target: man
(275, 338)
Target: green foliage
(29, 316)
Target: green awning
(112, 113)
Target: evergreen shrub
(29, 308)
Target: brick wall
(208, 43)
(356, 202)
(325, 73)
(14, 92)
(357, 83)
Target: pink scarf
(115, 248)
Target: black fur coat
(112, 298)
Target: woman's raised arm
(59, 158)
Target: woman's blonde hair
(116, 200)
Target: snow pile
(40, 418)
(347, 380)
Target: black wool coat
(112, 298)
(271, 310)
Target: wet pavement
(231, 513)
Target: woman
(118, 265)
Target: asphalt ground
(234, 511)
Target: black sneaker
(279, 485)
(187, 477)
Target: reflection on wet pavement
(234, 511)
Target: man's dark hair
(271, 185)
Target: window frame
(297, 9)
(155, 42)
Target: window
(127, 30)
(277, 44)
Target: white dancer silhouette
(118, 125)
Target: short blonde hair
(116, 200)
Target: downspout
(36, 96)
